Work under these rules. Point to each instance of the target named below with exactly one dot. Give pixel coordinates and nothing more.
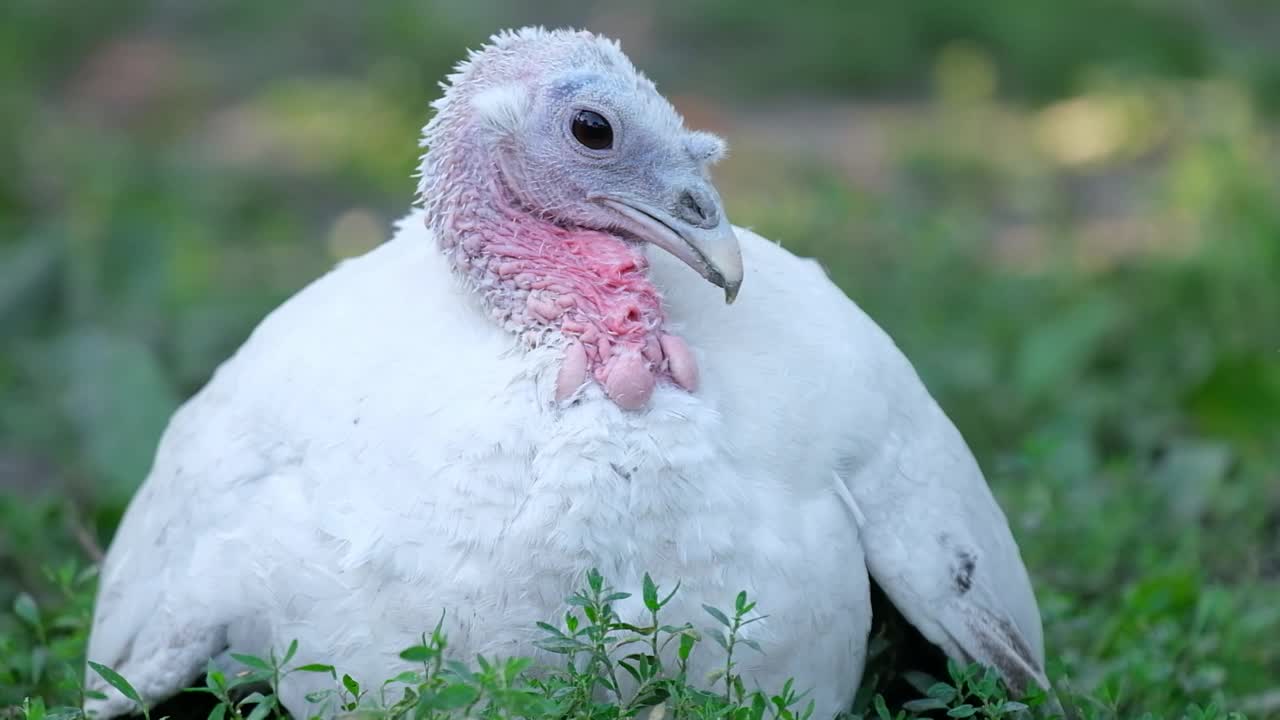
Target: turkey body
(459, 425)
(377, 455)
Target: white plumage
(380, 452)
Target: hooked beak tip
(731, 292)
(723, 258)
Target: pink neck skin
(544, 282)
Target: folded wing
(939, 545)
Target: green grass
(1077, 243)
(610, 670)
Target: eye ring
(592, 130)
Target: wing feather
(939, 545)
(222, 504)
(157, 619)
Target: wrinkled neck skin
(585, 290)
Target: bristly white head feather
(706, 146)
(501, 107)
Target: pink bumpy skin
(590, 288)
(547, 278)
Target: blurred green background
(1068, 215)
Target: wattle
(589, 288)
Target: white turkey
(528, 381)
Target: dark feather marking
(962, 573)
(1006, 651)
(1014, 674)
(966, 562)
(1017, 642)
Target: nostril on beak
(697, 210)
(689, 206)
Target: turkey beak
(697, 233)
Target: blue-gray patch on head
(572, 84)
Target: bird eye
(592, 130)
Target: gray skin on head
(652, 184)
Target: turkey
(545, 371)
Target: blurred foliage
(1067, 214)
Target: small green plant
(42, 645)
(612, 670)
(117, 681)
(974, 691)
(262, 672)
(600, 650)
(608, 644)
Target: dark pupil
(592, 130)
